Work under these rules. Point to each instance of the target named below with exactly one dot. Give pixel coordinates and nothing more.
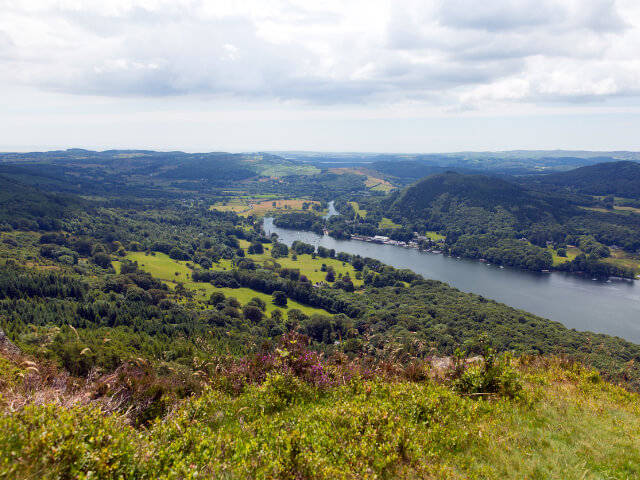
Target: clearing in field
(360, 212)
(388, 223)
(435, 236)
(620, 258)
(268, 206)
(160, 266)
(626, 209)
(310, 267)
(572, 252)
(372, 182)
(616, 209)
(260, 206)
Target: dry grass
(264, 207)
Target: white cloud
(459, 53)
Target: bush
(279, 298)
(494, 375)
(102, 259)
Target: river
(611, 307)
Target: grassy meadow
(160, 266)
(359, 211)
(260, 206)
(388, 223)
(435, 236)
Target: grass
(362, 213)
(262, 205)
(234, 204)
(616, 209)
(378, 184)
(572, 252)
(627, 209)
(571, 433)
(278, 171)
(244, 295)
(371, 182)
(161, 266)
(388, 223)
(265, 207)
(620, 258)
(570, 425)
(435, 236)
(164, 268)
(310, 267)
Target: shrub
(493, 376)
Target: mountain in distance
(515, 162)
(442, 190)
(122, 167)
(620, 179)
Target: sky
(348, 75)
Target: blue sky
(392, 76)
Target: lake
(575, 301)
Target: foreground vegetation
(288, 413)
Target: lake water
(575, 301)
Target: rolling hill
(440, 191)
(621, 179)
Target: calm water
(575, 301)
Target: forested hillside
(620, 179)
(505, 222)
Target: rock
(7, 345)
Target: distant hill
(515, 162)
(440, 191)
(127, 167)
(621, 179)
(24, 207)
(406, 171)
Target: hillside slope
(308, 419)
(621, 179)
(442, 190)
(26, 207)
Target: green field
(309, 267)
(435, 236)
(621, 258)
(162, 267)
(244, 295)
(383, 187)
(262, 205)
(362, 213)
(572, 253)
(388, 223)
(234, 204)
(284, 170)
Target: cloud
(461, 53)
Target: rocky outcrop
(6, 344)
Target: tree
(177, 254)
(256, 248)
(279, 298)
(216, 298)
(358, 264)
(331, 276)
(102, 259)
(261, 304)
(252, 313)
